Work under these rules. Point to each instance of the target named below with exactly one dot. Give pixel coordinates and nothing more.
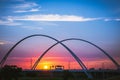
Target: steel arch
(36, 63)
(71, 52)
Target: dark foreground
(16, 73)
(69, 75)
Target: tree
(10, 72)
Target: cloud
(117, 19)
(32, 28)
(9, 23)
(31, 10)
(4, 42)
(34, 10)
(12, 23)
(108, 19)
(26, 7)
(53, 17)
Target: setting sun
(45, 67)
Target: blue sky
(97, 21)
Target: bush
(9, 72)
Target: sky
(97, 21)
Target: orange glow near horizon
(46, 67)
(46, 62)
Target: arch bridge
(59, 42)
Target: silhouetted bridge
(65, 46)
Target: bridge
(65, 46)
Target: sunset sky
(97, 21)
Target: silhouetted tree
(10, 72)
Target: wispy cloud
(2, 42)
(31, 10)
(117, 19)
(32, 28)
(9, 23)
(27, 7)
(108, 19)
(12, 23)
(53, 17)
(58, 17)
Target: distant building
(57, 67)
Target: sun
(45, 67)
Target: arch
(36, 63)
(71, 52)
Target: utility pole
(69, 64)
(30, 63)
(103, 66)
